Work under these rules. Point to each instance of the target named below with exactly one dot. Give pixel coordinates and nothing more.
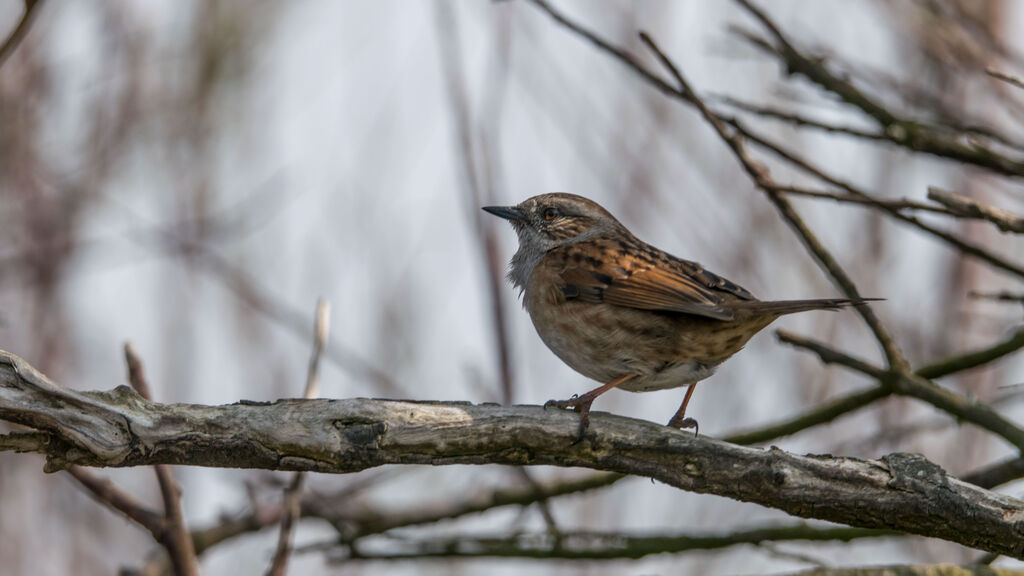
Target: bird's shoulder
(625, 271)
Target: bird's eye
(550, 213)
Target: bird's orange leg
(679, 420)
(582, 403)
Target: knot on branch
(914, 472)
(360, 434)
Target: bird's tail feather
(782, 307)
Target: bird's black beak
(506, 212)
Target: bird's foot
(684, 423)
(579, 404)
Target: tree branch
(119, 428)
(968, 207)
(601, 546)
(819, 415)
(913, 384)
(292, 501)
(973, 359)
(106, 492)
(173, 535)
(900, 131)
(922, 570)
(1003, 296)
(12, 41)
(843, 197)
(1009, 79)
(960, 244)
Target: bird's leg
(679, 420)
(582, 403)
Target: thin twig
(799, 120)
(973, 359)
(960, 244)
(997, 474)
(105, 492)
(543, 505)
(12, 41)
(1005, 221)
(911, 384)
(136, 376)
(175, 536)
(1009, 79)
(1003, 296)
(254, 294)
(814, 417)
(908, 570)
(478, 189)
(292, 504)
(829, 355)
(600, 545)
(845, 197)
(900, 131)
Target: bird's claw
(580, 404)
(575, 403)
(684, 423)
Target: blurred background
(192, 176)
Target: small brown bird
(623, 312)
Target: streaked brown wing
(710, 279)
(667, 284)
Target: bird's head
(549, 221)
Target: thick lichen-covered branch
(119, 428)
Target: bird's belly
(672, 376)
(604, 343)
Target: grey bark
(119, 428)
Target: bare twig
(12, 41)
(110, 495)
(845, 197)
(960, 244)
(250, 291)
(900, 131)
(136, 376)
(997, 474)
(1003, 296)
(973, 359)
(352, 527)
(177, 540)
(292, 505)
(543, 505)
(910, 570)
(799, 120)
(815, 417)
(600, 545)
(321, 332)
(478, 189)
(911, 384)
(1008, 78)
(971, 208)
(174, 536)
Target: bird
(623, 312)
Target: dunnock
(623, 312)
